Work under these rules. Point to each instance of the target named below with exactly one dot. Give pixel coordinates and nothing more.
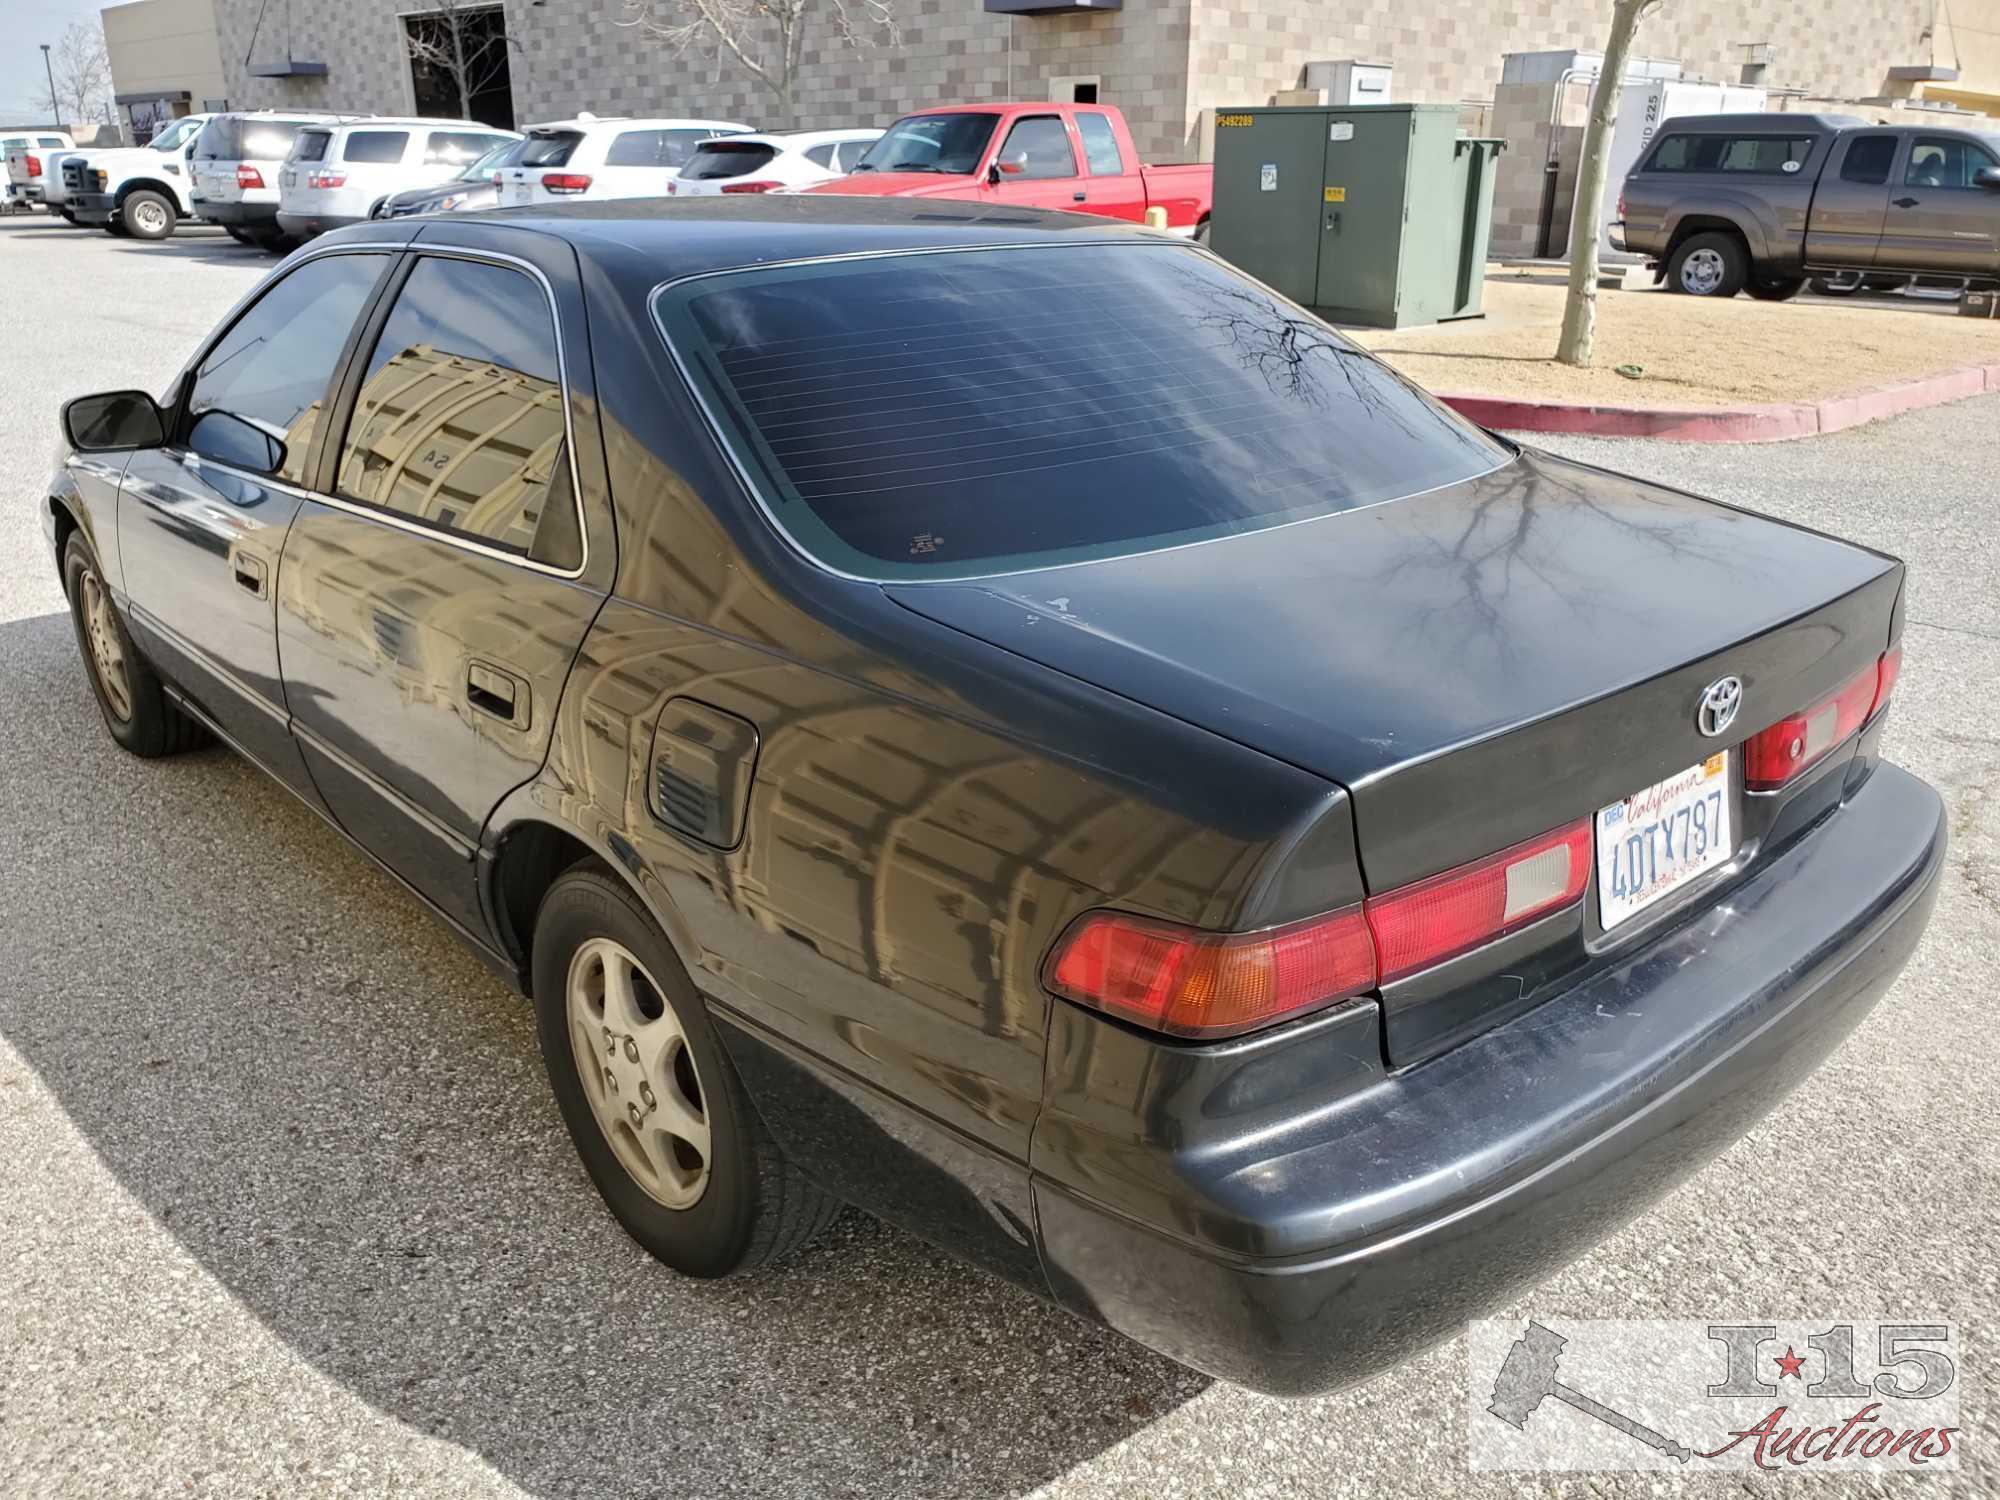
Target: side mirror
(1987, 177)
(113, 420)
(1014, 165)
(229, 439)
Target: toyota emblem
(1719, 702)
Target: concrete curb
(1768, 423)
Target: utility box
(1351, 81)
(1375, 215)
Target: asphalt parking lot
(288, 1210)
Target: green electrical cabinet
(1374, 213)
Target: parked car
(761, 163)
(27, 156)
(590, 157)
(1077, 157)
(342, 173)
(138, 191)
(236, 164)
(1728, 203)
(1252, 857)
(471, 188)
(55, 189)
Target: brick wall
(1163, 61)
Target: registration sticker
(1655, 841)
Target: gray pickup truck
(1721, 204)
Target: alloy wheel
(107, 648)
(638, 1073)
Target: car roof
(1760, 124)
(402, 122)
(637, 243)
(665, 123)
(796, 140)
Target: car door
(1114, 187)
(202, 521)
(1037, 163)
(1939, 218)
(434, 593)
(1851, 201)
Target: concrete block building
(1167, 63)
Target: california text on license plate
(1658, 840)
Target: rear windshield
(311, 145)
(951, 144)
(987, 411)
(550, 150)
(1731, 153)
(375, 145)
(233, 138)
(727, 159)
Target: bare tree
(766, 37)
(1579, 330)
(459, 39)
(82, 73)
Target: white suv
(236, 163)
(590, 157)
(765, 163)
(338, 174)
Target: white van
(590, 157)
(337, 174)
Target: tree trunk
(1579, 330)
(458, 66)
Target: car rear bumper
(238, 215)
(1257, 1230)
(305, 226)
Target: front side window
(1945, 162)
(1100, 144)
(951, 144)
(984, 411)
(459, 419)
(1037, 147)
(375, 146)
(270, 370)
(1868, 159)
(169, 140)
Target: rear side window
(1100, 144)
(459, 419)
(311, 145)
(52, 140)
(1037, 147)
(271, 369)
(375, 145)
(821, 156)
(455, 148)
(981, 411)
(1868, 159)
(1775, 154)
(655, 148)
(551, 150)
(727, 159)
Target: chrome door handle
(497, 693)
(249, 573)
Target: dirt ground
(1693, 352)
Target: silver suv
(339, 174)
(235, 170)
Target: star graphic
(1789, 1363)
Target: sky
(24, 26)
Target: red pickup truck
(1077, 157)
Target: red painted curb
(1768, 423)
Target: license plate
(1655, 841)
(291, 179)
(520, 192)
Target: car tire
(241, 236)
(66, 216)
(1709, 265)
(655, 1056)
(1782, 289)
(271, 242)
(147, 215)
(115, 229)
(136, 709)
(1201, 233)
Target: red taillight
(1182, 982)
(34, 165)
(326, 179)
(565, 182)
(1448, 914)
(750, 187)
(248, 176)
(1799, 741)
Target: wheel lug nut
(610, 1081)
(646, 1094)
(636, 1113)
(631, 1050)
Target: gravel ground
(1694, 352)
(288, 1211)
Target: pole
(55, 104)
